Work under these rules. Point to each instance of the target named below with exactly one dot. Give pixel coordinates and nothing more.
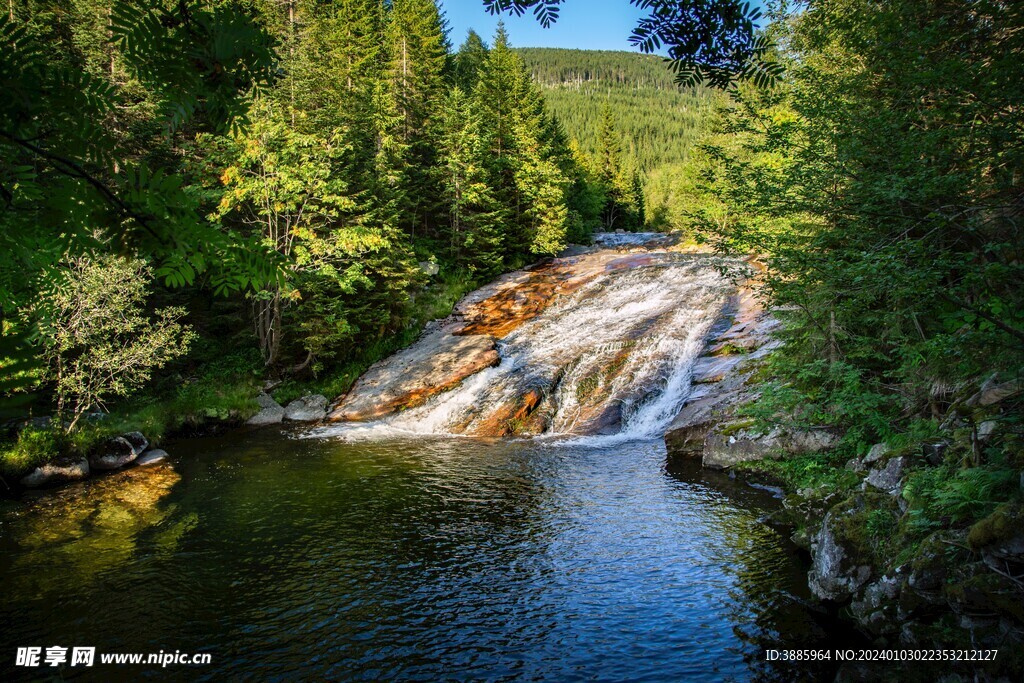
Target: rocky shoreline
(959, 587)
(133, 449)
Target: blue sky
(583, 24)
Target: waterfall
(610, 361)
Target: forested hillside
(659, 121)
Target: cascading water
(610, 361)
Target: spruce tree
(469, 61)
(475, 216)
(417, 62)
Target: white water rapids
(612, 360)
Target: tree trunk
(267, 318)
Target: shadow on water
(435, 559)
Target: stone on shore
(307, 409)
(114, 454)
(151, 457)
(138, 441)
(56, 473)
(835, 574)
(270, 412)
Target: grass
(32, 448)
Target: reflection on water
(445, 559)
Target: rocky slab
(437, 362)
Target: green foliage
(73, 172)
(708, 41)
(814, 471)
(890, 225)
(944, 496)
(658, 122)
(31, 448)
(97, 341)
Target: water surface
(434, 559)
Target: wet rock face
(569, 346)
(434, 364)
(705, 427)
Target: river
(293, 558)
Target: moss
(1006, 521)
(854, 524)
(731, 349)
(731, 428)
(984, 590)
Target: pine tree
(417, 55)
(475, 237)
(469, 61)
(615, 214)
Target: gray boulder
(726, 446)
(429, 268)
(307, 409)
(56, 473)
(113, 454)
(138, 441)
(834, 574)
(270, 412)
(876, 453)
(887, 478)
(876, 607)
(265, 400)
(992, 392)
(151, 457)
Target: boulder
(270, 412)
(986, 429)
(265, 400)
(138, 441)
(113, 454)
(887, 478)
(727, 445)
(876, 607)
(429, 268)
(934, 451)
(992, 392)
(151, 457)
(307, 409)
(835, 573)
(56, 473)
(876, 453)
(723, 448)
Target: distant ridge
(659, 122)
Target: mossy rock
(854, 527)
(1005, 522)
(936, 559)
(980, 590)
(732, 428)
